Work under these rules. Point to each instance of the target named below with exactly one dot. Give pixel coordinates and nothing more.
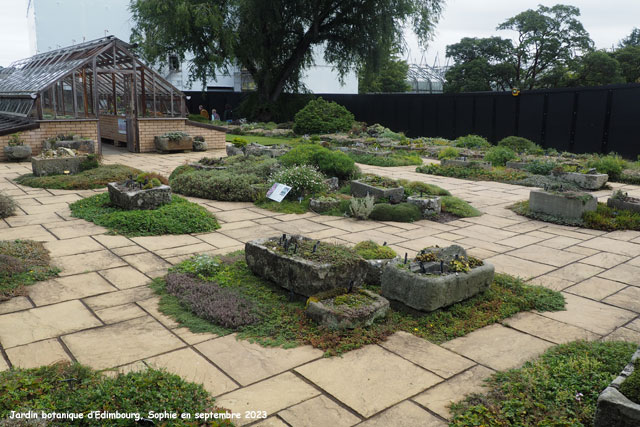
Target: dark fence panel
(597, 119)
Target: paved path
(101, 313)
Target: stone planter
(360, 152)
(564, 205)
(81, 145)
(129, 199)
(614, 409)
(43, 166)
(360, 189)
(517, 165)
(341, 316)
(299, 275)
(630, 204)
(165, 145)
(255, 149)
(428, 205)
(232, 150)
(375, 267)
(200, 145)
(588, 181)
(465, 164)
(320, 206)
(429, 292)
(17, 153)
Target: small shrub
(499, 156)
(175, 135)
(15, 140)
(611, 164)
(371, 250)
(541, 167)
(7, 206)
(361, 208)
(150, 176)
(303, 180)
(320, 116)
(416, 187)
(472, 141)
(458, 207)
(180, 170)
(448, 153)
(402, 212)
(91, 162)
(330, 163)
(239, 142)
(519, 144)
(219, 185)
(210, 301)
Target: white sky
(606, 21)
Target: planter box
(429, 292)
(126, 198)
(428, 205)
(164, 145)
(81, 145)
(360, 189)
(299, 275)
(465, 164)
(564, 205)
(588, 181)
(326, 313)
(255, 149)
(629, 205)
(17, 153)
(320, 206)
(200, 145)
(375, 267)
(232, 150)
(614, 409)
(43, 166)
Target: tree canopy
(274, 40)
(390, 77)
(632, 39)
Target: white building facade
(57, 23)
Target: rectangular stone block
(565, 205)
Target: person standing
(214, 115)
(203, 112)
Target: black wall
(583, 120)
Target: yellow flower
(415, 329)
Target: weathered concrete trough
(588, 181)
(320, 205)
(630, 204)
(428, 205)
(165, 145)
(615, 409)
(302, 276)
(80, 145)
(361, 189)
(465, 164)
(335, 315)
(562, 204)
(17, 153)
(43, 166)
(129, 199)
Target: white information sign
(122, 126)
(278, 192)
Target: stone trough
(587, 181)
(465, 163)
(628, 203)
(165, 144)
(615, 409)
(326, 312)
(566, 204)
(43, 166)
(129, 198)
(361, 189)
(302, 276)
(428, 205)
(432, 289)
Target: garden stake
(384, 244)
(441, 267)
(315, 246)
(422, 270)
(350, 287)
(405, 257)
(295, 248)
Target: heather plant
(22, 262)
(7, 206)
(331, 163)
(303, 180)
(210, 301)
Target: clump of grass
(283, 322)
(7, 206)
(178, 217)
(22, 263)
(559, 388)
(85, 180)
(73, 388)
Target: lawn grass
(264, 140)
(284, 323)
(77, 389)
(603, 218)
(178, 217)
(560, 388)
(387, 161)
(93, 178)
(22, 263)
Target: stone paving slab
(15, 304)
(406, 414)
(596, 288)
(91, 261)
(125, 277)
(369, 379)
(37, 354)
(68, 288)
(319, 411)
(548, 329)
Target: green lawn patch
(89, 179)
(77, 389)
(22, 263)
(387, 161)
(603, 218)
(560, 388)
(264, 140)
(282, 322)
(178, 217)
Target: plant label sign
(278, 192)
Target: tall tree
(629, 59)
(390, 77)
(594, 69)
(632, 39)
(274, 39)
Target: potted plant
(199, 143)
(16, 150)
(145, 191)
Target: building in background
(57, 23)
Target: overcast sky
(606, 21)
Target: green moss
(371, 250)
(631, 385)
(412, 188)
(339, 256)
(402, 212)
(89, 179)
(178, 217)
(560, 388)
